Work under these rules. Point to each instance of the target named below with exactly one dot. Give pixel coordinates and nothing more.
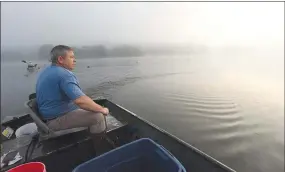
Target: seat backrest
(35, 109)
(38, 119)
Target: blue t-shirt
(56, 89)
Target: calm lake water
(229, 104)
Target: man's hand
(105, 111)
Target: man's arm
(73, 91)
(86, 103)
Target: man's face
(68, 61)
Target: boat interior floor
(66, 152)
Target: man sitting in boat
(61, 101)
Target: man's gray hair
(59, 50)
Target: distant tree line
(95, 51)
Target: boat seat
(44, 131)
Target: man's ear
(60, 59)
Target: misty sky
(77, 23)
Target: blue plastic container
(143, 155)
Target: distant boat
(31, 66)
